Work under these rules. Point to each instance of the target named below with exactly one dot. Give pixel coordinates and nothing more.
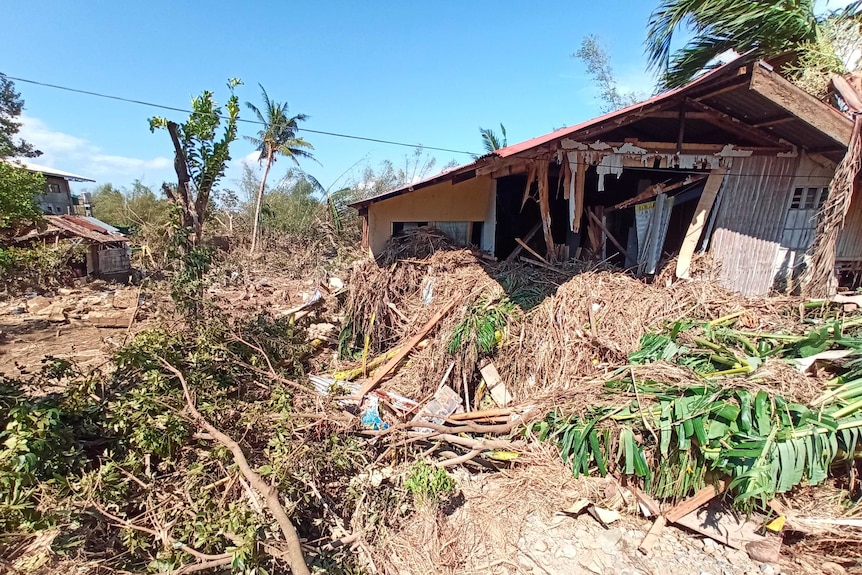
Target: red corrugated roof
(561, 133)
(75, 226)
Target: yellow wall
(468, 201)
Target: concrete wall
(58, 198)
(113, 260)
(469, 201)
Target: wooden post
(704, 205)
(580, 178)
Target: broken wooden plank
(580, 180)
(703, 496)
(847, 93)
(527, 238)
(534, 253)
(531, 177)
(567, 178)
(648, 502)
(493, 412)
(545, 211)
(652, 535)
(721, 523)
(698, 221)
(542, 265)
(608, 234)
(653, 191)
(496, 387)
(405, 349)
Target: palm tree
(490, 140)
(278, 136)
(769, 28)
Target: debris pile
(680, 390)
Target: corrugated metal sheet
(78, 226)
(850, 240)
(749, 224)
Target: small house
(107, 254)
(58, 197)
(735, 164)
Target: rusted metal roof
(726, 89)
(74, 226)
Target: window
(808, 198)
(53, 188)
(398, 228)
(461, 233)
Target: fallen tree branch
(203, 566)
(162, 535)
(460, 459)
(296, 559)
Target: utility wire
(367, 139)
(173, 109)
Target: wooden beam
(701, 497)
(625, 120)
(508, 168)
(773, 122)
(701, 149)
(527, 238)
(681, 121)
(673, 115)
(608, 234)
(801, 105)
(698, 221)
(403, 351)
(734, 125)
(730, 87)
(536, 255)
(653, 191)
(580, 182)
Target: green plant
(677, 437)
(201, 157)
(428, 484)
(39, 266)
(482, 326)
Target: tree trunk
(256, 228)
(183, 196)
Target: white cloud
(71, 153)
(251, 159)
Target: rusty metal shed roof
(749, 93)
(75, 226)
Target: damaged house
(735, 164)
(107, 254)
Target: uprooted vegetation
(168, 462)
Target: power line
(185, 111)
(368, 139)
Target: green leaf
(762, 410)
(597, 453)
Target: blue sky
(423, 73)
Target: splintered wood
(402, 353)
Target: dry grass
(554, 349)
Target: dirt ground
(81, 325)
